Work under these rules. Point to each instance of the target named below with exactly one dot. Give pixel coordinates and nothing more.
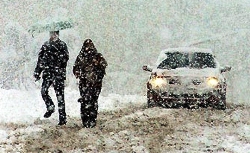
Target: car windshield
(195, 60)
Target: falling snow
(129, 34)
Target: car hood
(206, 72)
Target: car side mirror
(147, 68)
(225, 69)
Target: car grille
(185, 96)
(185, 80)
(174, 81)
(196, 82)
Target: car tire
(151, 104)
(221, 104)
(152, 99)
(217, 102)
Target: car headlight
(212, 82)
(158, 82)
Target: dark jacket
(90, 64)
(52, 59)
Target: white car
(186, 77)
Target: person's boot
(50, 110)
(81, 100)
(62, 118)
(62, 122)
(48, 113)
(92, 124)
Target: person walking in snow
(52, 62)
(89, 67)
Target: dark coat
(52, 59)
(90, 65)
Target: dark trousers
(89, 101)
(58, 84)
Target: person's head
(88, 43)
(54, 35)
(88, 46)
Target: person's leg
(83, 87)
(96, 92)
(86, 101)
(59, 90)
(47, 99)
(85, 114)
(94, 109)
(93, 115)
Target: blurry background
(129, 34)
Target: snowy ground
(124, 125)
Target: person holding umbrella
(52, 62)
(89, 67)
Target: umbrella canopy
(50, 24)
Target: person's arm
(40, 65)
(103, 63)
(101, 66)
(76, 67)
(65, 55)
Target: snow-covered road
(124, 125)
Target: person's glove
(77, 74)
(37, 76)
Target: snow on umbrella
(50, 24)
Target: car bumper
(165, 97)
(185, 97)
